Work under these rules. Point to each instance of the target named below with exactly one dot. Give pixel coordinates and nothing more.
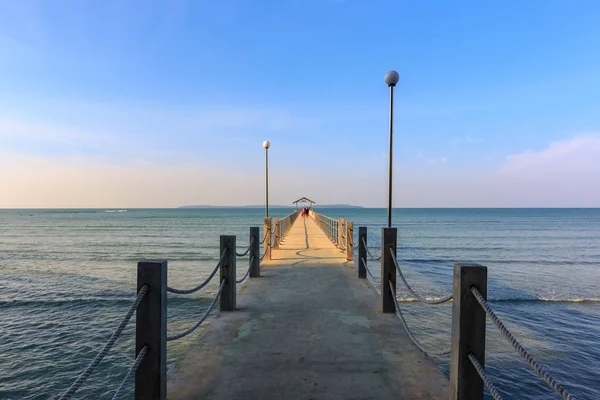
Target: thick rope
(439, 300)
(132, 370)
(369, 251)
(247, 250)
(562, 392)
(247, 272)
(90, 368)
(408, 331)
(367, 268)
(200, 286)
(486, 381)
(197, 324)
(244, 253)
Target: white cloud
(578, 155)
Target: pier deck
(308, 328)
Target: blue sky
(107, 103)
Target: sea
(68, 276)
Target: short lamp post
(391, 79)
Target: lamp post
(266, 145)
(391, 79)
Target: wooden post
(388, 269)
(227, 299)
(267, 244)
(362, 251)
(277, 233)
(340, 234)
(349, 241)
(468, 332)
(151, 331)
(254, 252)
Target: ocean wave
(550, 300)
(520, 299)
(85, 301)
(96, 301)
(489, 262)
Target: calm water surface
(68, 277)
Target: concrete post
(254, 252)
(151, 331)
(267, 244)
(349, 241)
(388, 269)
(362, 251)
(468, 332)
(276, 233)
(228, 274)
(340, 233)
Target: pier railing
(330, 226)
(340, 232)
(470, 309)
(286, 223)
(149, 370)
(275, 231)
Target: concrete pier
(307, 328)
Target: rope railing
(482, 374)
(367, 268)
(150, 305)
(542, 373)
(468, 320)
(264, 237)
(200, 286)
(247, 272)
(369, 251)
(412, 337)
(247, 249)
(132, 370)
(197, 324)
(90, 368)
(438, 300)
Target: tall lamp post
(266, 145)
(391, 79)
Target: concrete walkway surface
(308, 328)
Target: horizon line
(280, 206)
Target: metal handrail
(286, 223)
(328, 225)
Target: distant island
(275, 206)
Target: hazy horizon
(123, 105)
(281, 206)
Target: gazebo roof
(303, 199)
